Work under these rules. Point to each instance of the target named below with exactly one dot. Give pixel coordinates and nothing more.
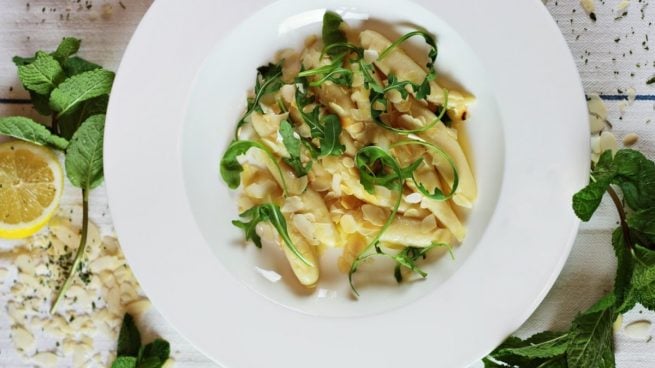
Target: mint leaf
(79, 88)
(20, 61)
(332, 33)
(76, 65)
(84, 154)
(129, 338)
(271, 213)
(330, 144)
(124, 362)
(643, 221)
(635, 175)
(42, 75)
(624, 269)
(643, 278)
(542, 345)
(67, 47)
(41, 103)
(231, 168)
(152, 362)
(70, 122)
(591, 340)
(293, 145)
(30, 131)
(159, 349)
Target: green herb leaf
(293, 145)
(129, 338)
(330, 144)
(67, 47)
(231, 168)
(643, 278)
(79, 88)
(376, 167)
(154, 354)
(643, 221)
(41, 103)
(42, 75)
(591, 342)
(124, 362)
(76, 65)
(21, 61)
(70, 122)
(408, 258)
(332, 33)
(437, 194)
(28, 130)
(84, 154)
(271, 213)
(624, 270)
(333, 72)
(268, 80)
(542, 345)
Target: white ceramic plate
(179, 91)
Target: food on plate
(351, 143)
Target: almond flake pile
(32, 272)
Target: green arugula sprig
(271, 213)
(589, 341)
(268, 80)
(73, 92)
(231, 169)
(132, 354)
(293, 144)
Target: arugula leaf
(408, 257)
(76, 65)
(79, 88)
(330, 144)
(42, 75)
(271, 213)
(67, 47)
(437, 194)
(376, 167)
(332, 33)
(591, 342)
(231, 168)
(333, 72)
(268, 80)
(124, 362)
(129, 338)
(28, 130)
(326, 129)
(84, 154)
(293, 145)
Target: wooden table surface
(613, 55)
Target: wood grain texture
(607, 67)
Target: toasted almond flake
(623, 5)
(370, 55)
(110, 244)
(623, 106)
(288, 92)
(348, 224)
(107, 278)
(16, 312)
(414, 198)
(597, 113)
(374, 214)
(608, 142)
(45, 359)
(630, 139)
(42, 270)
(639, 330)
(23, 339)
(632, 95)
(138, 307)
(588, 5)
(428, 223)
(292, 204)
(81, 352)
(104, 263)
(336, 184)
(3, 273)
(113, 299)
(616, 326)
(169, 363)
(348, 162)
(24, 263)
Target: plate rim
(119, 179)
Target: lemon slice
(31, 183)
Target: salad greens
(73, 92)
(376, 166)
(589, 341)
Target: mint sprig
(589, 341)
(132, 354)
